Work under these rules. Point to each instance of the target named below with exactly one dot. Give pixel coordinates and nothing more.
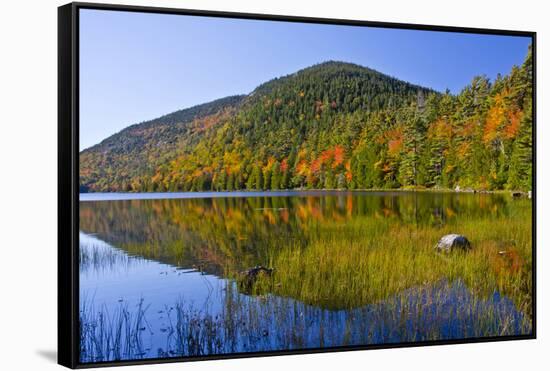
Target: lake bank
(97, 196)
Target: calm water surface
(160, 273)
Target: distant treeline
(333, 125)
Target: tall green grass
(362, 261)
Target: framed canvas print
(236, 185)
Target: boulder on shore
(451, 242)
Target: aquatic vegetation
(348, 268)
(95, 256)
(362, 261)
(106, 336)
(333, 251)
(437, 312)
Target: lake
(163, 275)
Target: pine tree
(522, 154)
(276, 176)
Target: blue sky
(137, 66)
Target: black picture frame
(68, 178)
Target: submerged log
(249, 276)
(253, 272)
(451, 242)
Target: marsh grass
(96, 257)
(347, 271)
(347, 265)
(265, 323)
(337, 252)
(106, 336)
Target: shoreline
(116, 196)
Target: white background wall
(28, 155)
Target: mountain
(331, 125)
(140, 148)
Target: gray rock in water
(453, 241)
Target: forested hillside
(139, 149)
(332, 125)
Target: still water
(161, 275)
